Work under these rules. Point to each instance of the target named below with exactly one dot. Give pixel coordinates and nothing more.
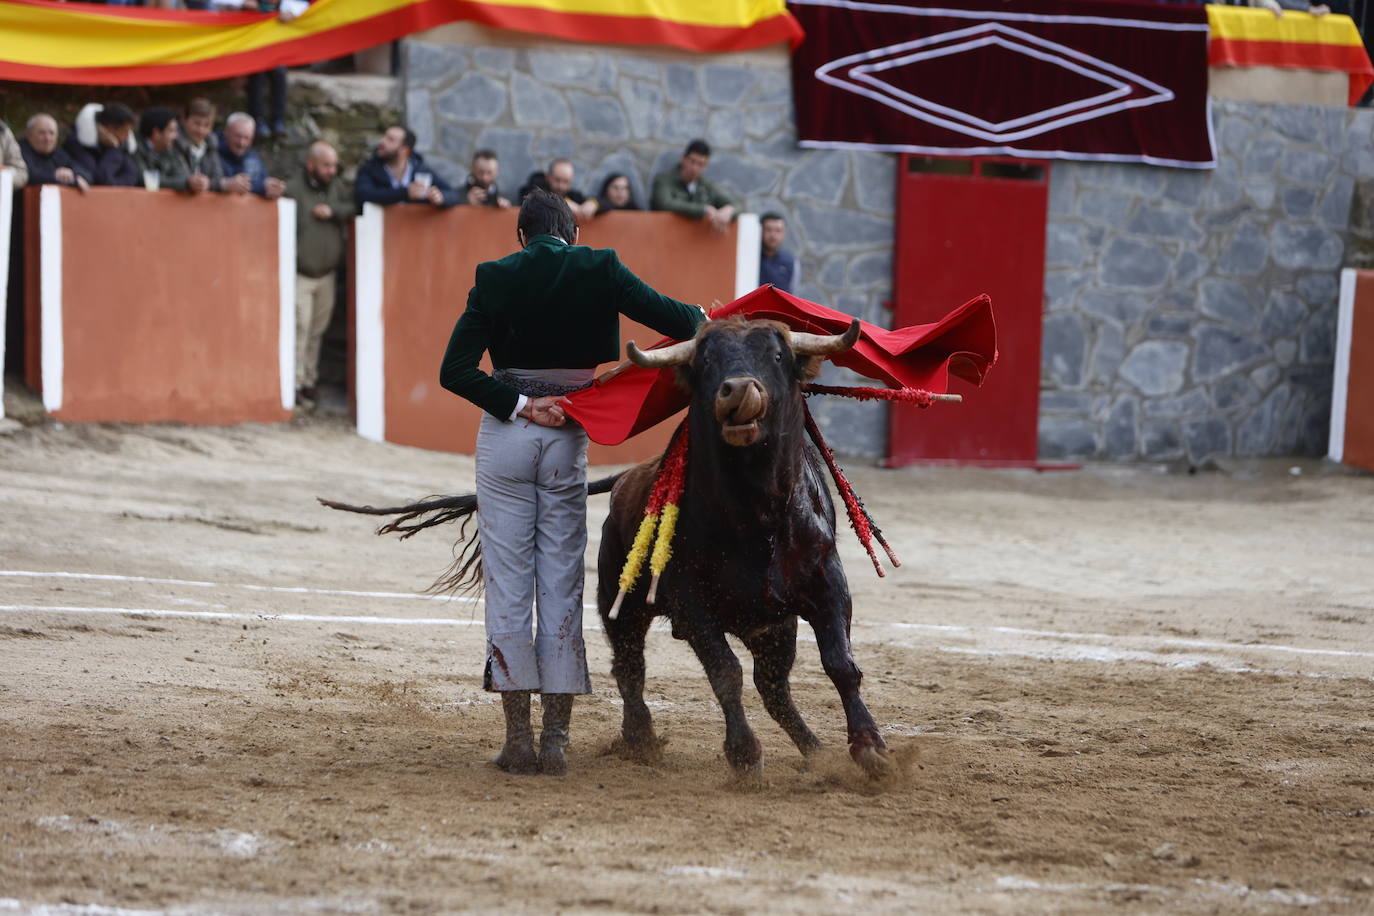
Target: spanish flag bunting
(80, 43)
(1251, 37)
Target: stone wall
(1188, 314)
(610, 109)
(1191, 315)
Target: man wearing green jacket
(547, 315)
(157, 132)
(685, 191)
(322, 207)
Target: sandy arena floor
(1115, 690)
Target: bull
(754, 550)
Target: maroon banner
(1107, 80)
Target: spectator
(322, 206)
(778, 267)
(48, 164)
(684, 191)
(194, 145)
(558, 181)
(480, 189)
(157, 134)
(616, 194)
(244, 169)
(12, 156)
(99, 145)
(397, 174)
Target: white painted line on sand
(228, 615)
(1116, 640)
(195, 583)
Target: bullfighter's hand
(545, 411)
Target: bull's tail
(464, 574)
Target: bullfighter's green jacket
(551, 306)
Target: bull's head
(743, 367)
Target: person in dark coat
(617, 194)
(47, 162)
(244, 170)
(99, 144)
(547, 314)
(397, 174)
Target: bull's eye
(777, 357)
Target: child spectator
(195, 145)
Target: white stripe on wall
(6, 215)
(1345, 326)
(748, 238)
(286, 295)
(369, 245)
(50, 292)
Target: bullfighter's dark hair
(543, 213)
(700, 147)
(155, 118)
(115, 114)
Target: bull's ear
(807, 368)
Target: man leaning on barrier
(397, 174)
(47, 163)
(244, 170)
(157, 134)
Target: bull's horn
(678, 354)
(804, 344)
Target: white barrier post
(369, 239)
(6, 218)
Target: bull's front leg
(866, 746)
(723, 670)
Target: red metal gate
(964, 227)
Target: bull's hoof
(745, 758)
(875, 760)
(553, 761)
(518, 759)
(639, 750)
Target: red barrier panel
(153, 306)
(1352, 391)
(415, 265)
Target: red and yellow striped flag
(1250, 37)
(44, 41)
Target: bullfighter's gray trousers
(532, 517)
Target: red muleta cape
(963, 343)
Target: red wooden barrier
(151, 306)
(1352, 395)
